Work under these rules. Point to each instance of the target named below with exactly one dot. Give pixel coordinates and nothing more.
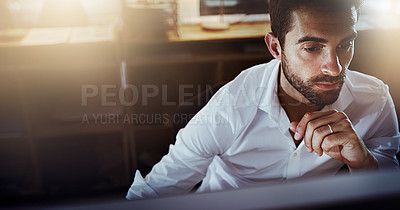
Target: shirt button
(295, 154)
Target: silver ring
(330, 128)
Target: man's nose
(332, 65)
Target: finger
(301, 127)
(352, 150)
(334, 141)
(319, 122)
(343, 125)
(321, 134)
(293, 126)
(318, 137)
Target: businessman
(302, 114)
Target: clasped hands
(331, 132)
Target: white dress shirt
(241, 137)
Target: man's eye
(311, 49)
(346, 46)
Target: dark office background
(54, 148)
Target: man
(302, 114)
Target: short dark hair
(281, 12)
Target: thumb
(293, 126)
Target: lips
(325, 86)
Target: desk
(236, 31)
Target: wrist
(369, 163)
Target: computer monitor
(199, 11)
(213, 7)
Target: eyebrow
(351, 37)
(322, 40)
(311, 39)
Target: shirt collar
(270, 101)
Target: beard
(319, 98)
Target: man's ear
(273, 45)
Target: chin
(325, 97)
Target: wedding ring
(330, 128)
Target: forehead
(324, 23)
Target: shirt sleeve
(208, 134)
(140, 189)
(384, 144)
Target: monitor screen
(213, 7)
